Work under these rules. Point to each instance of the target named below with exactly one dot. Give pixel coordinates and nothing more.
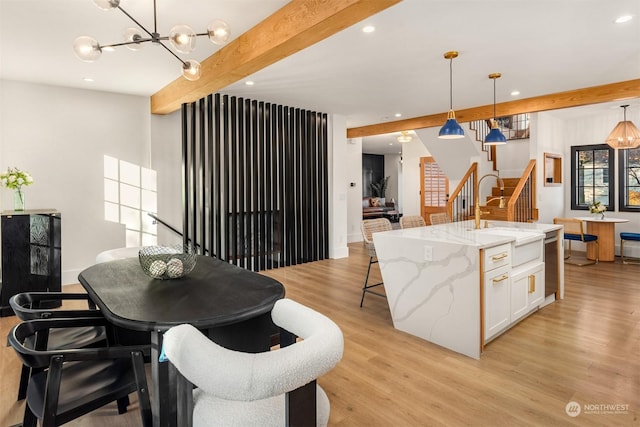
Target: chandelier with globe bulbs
(181, 37)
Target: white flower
(14, 178)
(597, 207)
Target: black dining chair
(42, 305)
(73, 382)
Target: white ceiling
(540, 47)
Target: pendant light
(404, 137)
(495, 136)
(625, 134)
(451, 128)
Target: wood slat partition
(255, 182)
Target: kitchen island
(459, 287)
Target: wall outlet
(428, 253)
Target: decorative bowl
(167, 262)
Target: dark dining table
(230, 304)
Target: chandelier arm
(127, 43)
(152, 35)
(171, 52)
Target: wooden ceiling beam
(295, 26)
(573, 98)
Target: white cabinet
(497, 270)
(527, 290)
(513, 284)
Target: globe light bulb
(107, 4)
(133, 35)
(182, 38)
(218, 31)
(87, 48)
(191, 70)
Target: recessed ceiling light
(391, 143)
(88, 79)
(249, 83)
(515, 93)
(398, 114)
(624, 18)
(368, 29)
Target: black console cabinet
(30, 254)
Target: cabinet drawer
(497, 256)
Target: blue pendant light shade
(451, 128)
(495, 136)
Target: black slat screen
(255, 182)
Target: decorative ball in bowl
(167, 262)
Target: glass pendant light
(625, 135)
(495, 136)
(218, 32)
(134, 37)
(404, 137)
(87, 48)
(451, 128)
(182, 38)
(191, 70)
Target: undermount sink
(521, 236)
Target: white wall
(353, 174)
(166, 158)
(392, 170)
(547, 136)
(60, 136)
(513, 157)
(411, 153)
(339, 189)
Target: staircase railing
(522, 204)
(481, 128)
(460, 202)
(176, 231)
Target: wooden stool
(635, 237)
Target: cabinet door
(496, 301)
(535, 287)
(527, 290)
(519, 296)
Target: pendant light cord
(494, 100)
(451, 84)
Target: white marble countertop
(463, 233)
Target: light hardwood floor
(585, 348)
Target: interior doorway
(434, 188)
